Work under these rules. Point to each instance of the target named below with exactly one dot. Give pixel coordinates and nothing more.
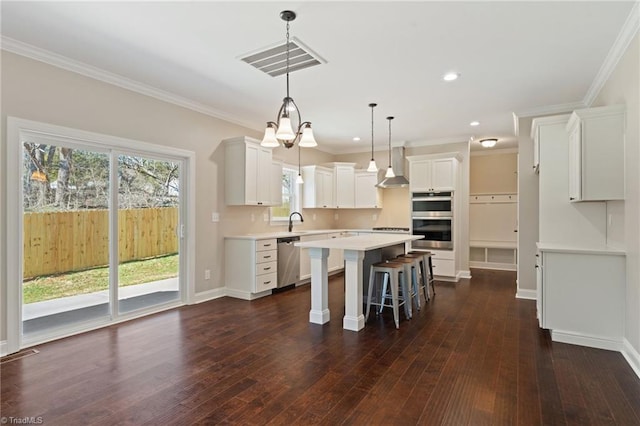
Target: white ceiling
(512, 56)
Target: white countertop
(360, 242)
(294, 233)
(568, 248)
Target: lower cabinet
(251, 267)
(444, 264)
(580, 296)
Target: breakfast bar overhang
(354, 252)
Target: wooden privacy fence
(59, 242)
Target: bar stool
(428, 261)
(423, 282)
(412, 266)
(392, 272)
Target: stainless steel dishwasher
(288, 261)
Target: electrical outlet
(207, 274)
(375, 216)
(314, 216)
(215, 217)
(335, 216)
(265, 217)
(253, 217)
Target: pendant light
(299, 180)
(373, 167)
(390, 173)
(282, 130)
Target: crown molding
(550, 110)
(617, 51)
(38, 54)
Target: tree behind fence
(57, 242)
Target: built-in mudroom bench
(493, 231)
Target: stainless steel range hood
(397, 164)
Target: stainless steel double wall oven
(432, 218)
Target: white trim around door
(17, 130)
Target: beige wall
(623, 87)
(495, 173)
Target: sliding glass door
(148, 226)
(101, 235)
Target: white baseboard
(494, 265)
(526, 294)
(464, 274)
(4, 348)
(586, 340)
(204, 296)
(245, 295)
(632, 356)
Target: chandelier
(282, 130)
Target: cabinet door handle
(515, 230)
(268, 282)
(266, 269)
(537, 266)
(572, 198)
(267, 245)
(267, 257)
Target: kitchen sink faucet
(291, 220)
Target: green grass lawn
(92, 280)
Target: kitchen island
(355, 249)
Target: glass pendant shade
(299, 180)
(285, 131)
(373, 167)
(390, 173)
(270, 140)
(307, 140)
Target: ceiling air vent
(273, 60)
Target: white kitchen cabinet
(596, 154)
(344, 185)
(317, 189)
(249, 173)
(443, 263)
(251, 267)
(580, 295)
(560, 221)
(428, 174)
(367, 194)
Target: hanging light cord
(372, 106)
(389, 118)
(287, 62)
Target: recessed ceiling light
(450, 76)
(474, 123)
(356, 139)
(489, 143)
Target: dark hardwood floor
(472, 356)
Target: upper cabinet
(250, 173)
(596, 154)
(428, 174)
(317, 190)
(344, 185)
(367, 193)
